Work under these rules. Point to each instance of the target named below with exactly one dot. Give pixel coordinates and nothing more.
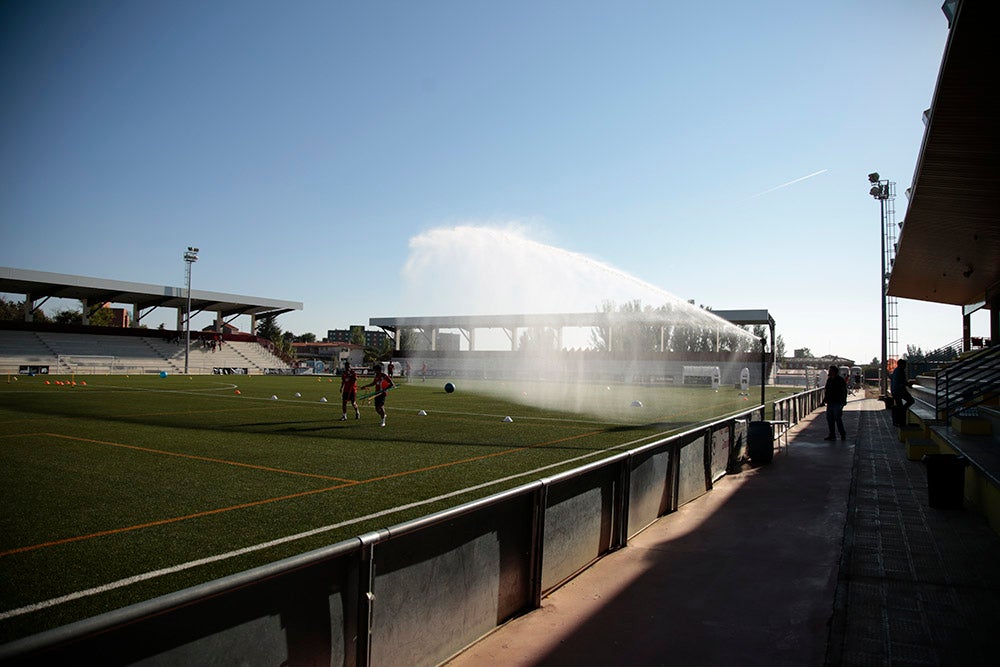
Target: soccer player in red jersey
(349, 391)
(382, 384)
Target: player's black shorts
(379, 400)
(349, 395)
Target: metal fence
(419, 592)
(793, 408)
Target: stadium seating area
(96, 353)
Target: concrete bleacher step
(971, 425)
(917, 447)
(924, 414)
(66, 352)
(924, 393)
(911, 431)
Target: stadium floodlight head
(873, 177)
(191, 255)
(875, 191)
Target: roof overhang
(40, 284)
(555, 320)
(949, 244)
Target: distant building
(226, 328)
(333, 355)
(449, 342)
(372, 338)
(119, 317)
(824, 362)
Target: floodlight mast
(763, 373)
(882, 191)
(190, 257)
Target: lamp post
(763, 372)
(880, 191)
(190, 257)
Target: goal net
(90, 363)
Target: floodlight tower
(885, 192)
(190, 257)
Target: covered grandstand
(37, 287)
(438, 354)
(27, 346)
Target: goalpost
(90, 363)
(703, 375)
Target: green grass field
(118, 489)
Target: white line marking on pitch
(121, 583)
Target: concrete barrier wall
(438, 587)
(412, 594)
(650, 488)
(721, 442)
(692, 478)
(583, 368)
(578, 519)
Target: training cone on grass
(323, 400)
(508, 419)
(273, 397)
(237, 392)
(636, 404)
(422, 413)
(298, 395)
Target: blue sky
(716, 150)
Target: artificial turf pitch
(117, 489)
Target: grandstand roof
(949, 243)
(546, 320)
(40, 284)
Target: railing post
(540, 498)
(366, 598)
(731, 466)
(621, 505)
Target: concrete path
(829, 555)
(744, 575)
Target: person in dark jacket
(900, 388)
(835, 398)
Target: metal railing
(419, 592)
(793, 408)
(968, 382)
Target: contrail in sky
(785, 185)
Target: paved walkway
(829, 555)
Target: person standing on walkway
(900, 388)
(349, 391)
(835, 398)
